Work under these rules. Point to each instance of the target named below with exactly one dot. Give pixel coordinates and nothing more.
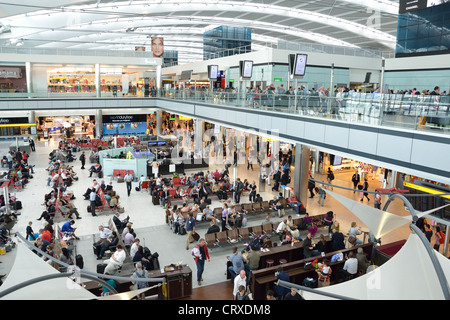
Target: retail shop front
(65, 126)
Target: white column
(158, 79)
(98, 123)
(28, 75)
(97, 80)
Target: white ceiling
(105, 24)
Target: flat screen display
(337, 160)
(412, 5)
(247, 69)
(300, 64)
(213, 72)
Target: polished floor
(149, 220)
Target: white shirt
(133, 250)
(281, 227)
(105, 233)
(238, 281)
(92, 196)
(119, 256)
(128, 178)
(351, 265)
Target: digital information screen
(300, 64)
(248, 69)
(213, 71)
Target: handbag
(352, 239)
(196, 236)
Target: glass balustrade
(419, 112)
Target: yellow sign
(185, 118)
(423, 189)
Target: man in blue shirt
(190, 229)
(239, 264)
(68, 228)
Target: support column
(158, 80)
(97, 80)
(198, 135)
(28, 77)
(32, 118)
(301, 170)
(158, 123)
(98, 123)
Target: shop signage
(124, 118)
(277, 79)
(13, 120)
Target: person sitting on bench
(95, 168)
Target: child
(30, 232)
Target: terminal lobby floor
(149, 220)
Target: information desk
(288, 252)
(179, 283)
(264, 279)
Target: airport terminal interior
(225, 150)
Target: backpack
(141, 284)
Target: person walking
(311, 186)
(355, 180)
(439, 238)
(200, 253)
(377, 201)
(83, 159)
(322, 194)
(92, 197)
(128, 179)
(190, 229)
(330, 178)
(365, 188)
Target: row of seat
(120, 173)
(236, 235)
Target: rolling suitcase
(16, 205)
(96, 248)
(79, 261)
(155, 200)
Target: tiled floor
(149, 220)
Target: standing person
(365, 188)
(137, 285)
(92, 197)
(25, 157)
(330, 177)
(252, 193)
(32, 145)
(190, 229)
(439, 238)
(241, 295)
(83, 159)
(311, 186)
(428, 232)
(377, 201)
(30, 232)
(128, 179)
(200, 253)
(355, 179)
(239, 280)
(9, 158)
(155, 167)
(224, 217)
(239, 187)
(322, 195)
(250, 164)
